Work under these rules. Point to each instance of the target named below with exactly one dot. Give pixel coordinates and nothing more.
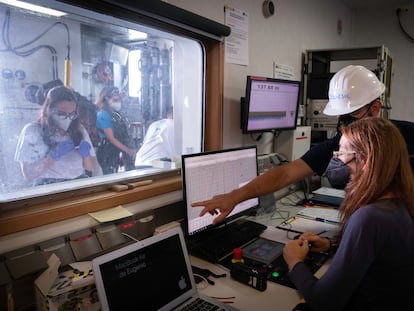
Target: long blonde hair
(382, 150)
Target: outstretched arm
(274, 179)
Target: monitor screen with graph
(207, 174)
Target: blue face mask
(338, 173)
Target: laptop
(152, 274)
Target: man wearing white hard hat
(354, 93)
(352, 88)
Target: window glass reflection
(86, 101)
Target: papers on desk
(300, 225)
(327, 196)
(316, 219)
(277, 235)
(330, 191)
(324, 214)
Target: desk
(275, 297)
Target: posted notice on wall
(237, 43)
(281, 71)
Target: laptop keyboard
(200, 305)
(221, 242)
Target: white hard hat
(352, 88)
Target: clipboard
(300, 225)
(325, 214)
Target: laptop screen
(151, 274)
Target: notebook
(152, 274)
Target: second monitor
(270, 105)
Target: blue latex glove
(84, 148)
(61, 149)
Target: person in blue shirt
(373, 266)
(354, 93)
(113, 149)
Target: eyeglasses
(337, 154)
(63, 115)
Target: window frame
(31, 214)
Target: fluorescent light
(137, 35)
(33, 7)
(134, 73)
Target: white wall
(380, 26)
(299, 25)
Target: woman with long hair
(56, 147)
(373, 266)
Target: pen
(289, 221)
(326, 221)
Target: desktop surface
(278, 295)
(277, 270)
(243, 297)
(246, 298)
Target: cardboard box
(70, 290)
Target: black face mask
(338, 173)
(347, 119)
(344, 120)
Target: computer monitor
(270, 105)
(207, 174)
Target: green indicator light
(275, 274)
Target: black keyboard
(220, 242)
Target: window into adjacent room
(145, 84)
